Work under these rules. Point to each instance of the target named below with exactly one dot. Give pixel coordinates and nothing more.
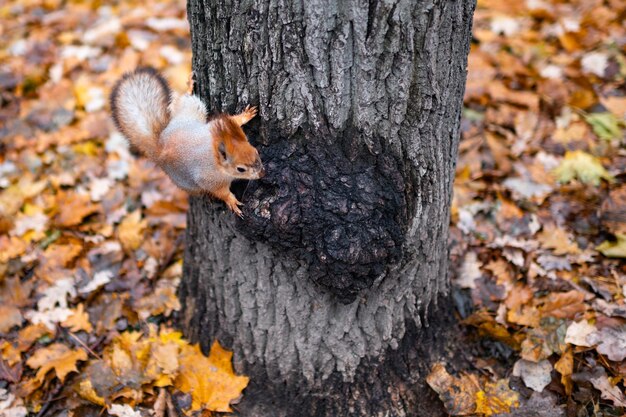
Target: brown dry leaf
(78, 321)
(211, 381)
(613, 211)
(10, 317)
(565, 366)
(557, 239)
(11, 247)
(30, 334)
(130, 231)
(58, 357)
(73, 208)
(496, 398)
(10, 353)
(564, 305)
(60, 256)
(457, 393)
(616, 105)
(487, 324)
(609, 391)
(162, 301)
(611, 342)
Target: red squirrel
(172, 130)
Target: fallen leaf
(578, 333)
(604, 125)
(58, 357)
(613, 249)
(582, 166)
(457, 393)
(565, 366)
(78, 321)
(564, 305)
(9, 317)
(535, 375)
(73, 208)
(496, 398)
(211, 381)
(130, 231)
(598, 378)
(611, 342)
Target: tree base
(393, 384)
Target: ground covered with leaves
(91, 236)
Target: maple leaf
(211, 381)
(58, 357)
(583, 166)
(79, 320)
(496, 398)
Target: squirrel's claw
(233, 204)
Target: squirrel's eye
(241, 169)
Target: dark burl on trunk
(322, 288)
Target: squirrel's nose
(262, 172)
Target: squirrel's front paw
(234, 204)
(246, 115)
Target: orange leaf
(210, 381)
(58, 357)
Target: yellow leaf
(79, 320)
(616, 249)
(496, 398)
(565, 366)
(85, 390)
(557, 239)
(210, 381)
(457, 393)
(58, 357)
(582, 166)
(130, 231)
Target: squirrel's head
(235, 156)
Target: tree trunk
(323, 288)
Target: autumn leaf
(582, 166)
(613, 249)
(73, 208)
(211, 381)
(78, 321)
(564, 305)
(496, 398)
(130, 231)
(605, 125)
(457, 393)
(565, 366)
(57, 357)
(9, 317)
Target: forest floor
(91, 237)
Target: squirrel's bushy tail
(140, 108)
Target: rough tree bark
(322, 290)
